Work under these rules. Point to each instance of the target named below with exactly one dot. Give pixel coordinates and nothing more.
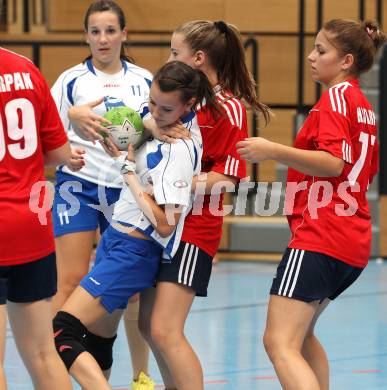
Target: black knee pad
(69, 333)
(101, 348)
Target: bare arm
(213, 178)
(58, 156)
(164, 219)
(310, 162)
(167, 134)
(74, 160)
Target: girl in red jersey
(31, 135)
(335, 156)
(217, 50)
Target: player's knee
(272, 344)
(101, 348)
(164, 337)
(68, 335)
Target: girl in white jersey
(143, 227)
(84, 200)
(336, 149)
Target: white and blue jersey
(169, 168)
(82, 84)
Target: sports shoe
(143, 383)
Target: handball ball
(126, 127)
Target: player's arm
(167, 134)
(211, 179)
(58, 156)
(310, 162)
(65, 155)
(164, 218)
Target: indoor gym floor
(226, 331)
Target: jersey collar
(188, 117)
(90, 66)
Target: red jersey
(331, 215)
(203, 225)
(29, 127)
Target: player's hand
(86, 122)
(255, 149)
(130, 155)
(77, 160)
(110, 147)
(167, 134)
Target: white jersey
(169, 168)
(83, 84)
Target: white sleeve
(59, 94)
(172, 179)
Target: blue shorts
(72, 212)
(29, 282)
(124, 265)
(312, 276)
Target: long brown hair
(190, 82)
(361, 39)
(103, 6)
(223, 46)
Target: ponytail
(222, 44)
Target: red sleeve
(52, 132)
(233, 129)
(230, 163)
(333, 133)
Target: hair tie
(221, 26)
(370, 30)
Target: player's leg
(98, 342)
(296, 292)
(32, 327)
(314, 353)
(70, 328)
(75, 224)
(147, 299)
(312, 350)
(82, 309)
(3, 330)
(172, 305)
(178, 282)
(288, 321)
(138, 347)
(73, 258)
(124, 265)
(30, 316)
